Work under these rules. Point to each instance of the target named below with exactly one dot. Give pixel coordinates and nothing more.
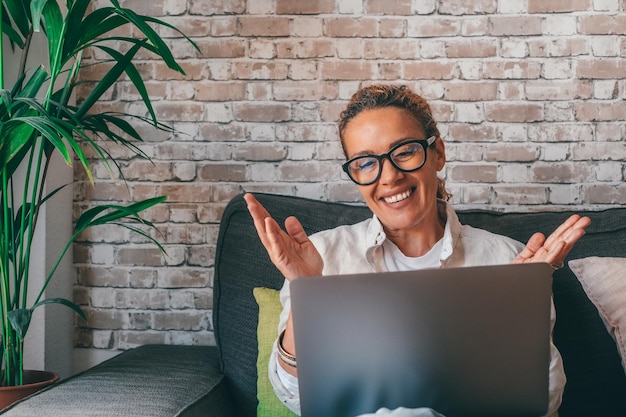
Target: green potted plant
(39, 119)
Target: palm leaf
(18, 12)
(107, 81)
(92, 216)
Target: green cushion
(268, 301)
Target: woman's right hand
(291, 252)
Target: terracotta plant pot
(34, 381)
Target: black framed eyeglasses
(407, 156)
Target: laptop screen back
(463, 341)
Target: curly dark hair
(387, 95)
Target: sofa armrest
(151, 380)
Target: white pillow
(604, 281)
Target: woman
(394, 151)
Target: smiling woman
(394, 153)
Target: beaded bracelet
(282, 353)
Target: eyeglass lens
(406, 157)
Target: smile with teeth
(398, 197)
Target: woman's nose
(389, 173)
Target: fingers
(295, 230)
(570, 231)
(534, 245)
(259, 214)
(557, 246)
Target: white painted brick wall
(529, 95)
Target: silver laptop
(466, 342)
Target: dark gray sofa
(221, 381)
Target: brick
(511, 91)
(513, 112)
(259, 152)
(217, 7)
(520, 194)
(471, 48)
(309, 48)
(251, 26)
(350, 27)
(181, 300)
(598, 111)
(261, 112)
(391, 28)
(467, 151)
(469, 112)
(601, 69)
(605, 46)
(222, 172)
(183, 213)
(106, 319)
(602, 24)
(610, 172)
(473, 173)
(184, 234)
(220, 91)
(179, 278)
(141, 299)
(147, 256)
(507, 152)
(515, 26)
(472, 194)
(420, 27)
(564, 194)
(561, 133)
(229, 132)
(305, 6)
(558, 90)
(512, 6)
(129, 339)
(260, 70)
(475, 26)
(220, 48)
(512, 69)
(391, 49)
(347, 70)
(428, 70)
(170, 111)
(303, 70)
(561, 173)
(604, 193)
(349, 48)
(201, 256)
(223, 26)
(399, 7)
(462, 132)
(558, 6)
(558, 70)
(469, 91)
(103, 339)
(514, 173)
(305, 112)
(306, 132)
(559, 25)
(559, 47)
(559, 111)
(467, 7)
(304, 171)
(390, 71)
(599, 151)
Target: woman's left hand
(555, 248)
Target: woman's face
(402, 201)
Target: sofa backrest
(596, 380)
